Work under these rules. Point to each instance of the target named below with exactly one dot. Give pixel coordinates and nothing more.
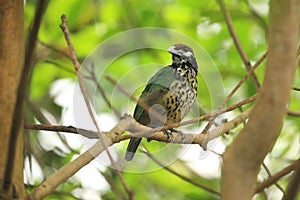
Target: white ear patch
(188, 54)
(180, 51)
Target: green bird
(168, 95)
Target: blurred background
(91, 23)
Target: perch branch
(111, 137)
(126, 123)
(139, 130)
(214, 133)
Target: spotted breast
(168, 95)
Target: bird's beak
(172, 50)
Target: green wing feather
(162, 79)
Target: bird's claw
(169, 134)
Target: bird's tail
(131, 148)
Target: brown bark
(244, 157)
(11, 62)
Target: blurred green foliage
(92, 22)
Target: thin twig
(64, 27)
(249, 72)
(102, 92)
(237, 42)
(296, 88)
(225, 128)
(42, 118)
(59, 128)
(22, 92)
(60, 66)
(269, 174)
(293, 113)
(180, 175)
(294, 185)
(113, 184)
(273, 179)
(121, 89)
(239, 84)
(204, 117)
(66, 55)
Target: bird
(168, 95)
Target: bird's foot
(169, 134)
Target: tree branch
(22, 92)
(68, 170)
(226, 127)
(72, 167)
(293, 113)
(260, 60)
(269, 174)
(294, 184)
(66, 129)
(244, 157)
(126, 123)
(273, 179)
(64, 27)
(139, 130)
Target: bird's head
(183, 54)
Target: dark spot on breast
(176, 85)
(174, 116)
(175, 108)
(172, 101)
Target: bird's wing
(161, 80)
